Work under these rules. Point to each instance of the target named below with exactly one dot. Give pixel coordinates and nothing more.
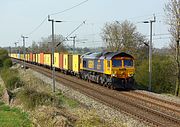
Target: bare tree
(33, 48)
(122, 37)
(172, 10)
(45, 44)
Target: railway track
(155, 103)
(126, 102)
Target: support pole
(53, 46)
(150, 53)
(150, 56)
(24, 52)
(177, 54)
(74, 41)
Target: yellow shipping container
(16, 55)
(65, 62)
(47, 59)
(12, 55)
(22, 56)
(56, 60)
(38, 61)
(26, 57)
(36, 58)
(76, 63)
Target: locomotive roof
(105, 55)
(115, 54)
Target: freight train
(109, 69)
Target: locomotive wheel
(104, 84)
(89, 80)
(111, 87)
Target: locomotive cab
(122, 67)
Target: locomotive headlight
(130, 75)
(114, 74)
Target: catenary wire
(70, 8)
(54, 14)
(37, 27)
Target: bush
(1, 63)
(164, 79)
(11, 78)
(3, 56)
(3, 51)
(31, 98)
(7, 63)
(163, 74)
(12, 82)
(141, 75)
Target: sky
(29, 18)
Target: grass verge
(13, 117)
(32, 98)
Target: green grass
(67, 101)
(13, 117)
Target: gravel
(106, 113)
(167, 97)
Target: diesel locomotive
(111, 69)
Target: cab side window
(108, 63)
(84, 63)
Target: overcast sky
(22, 17)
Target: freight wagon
(47, 60)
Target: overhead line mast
(53, 46)
(24, 51)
